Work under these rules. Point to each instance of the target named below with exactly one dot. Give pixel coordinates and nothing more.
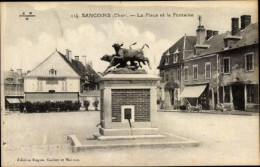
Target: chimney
(68, 54)
(200, 35)
(209, 34)
(245, 21)
(91, 64)
(77, 58)
(19, 72)
(215, 33)
(201, 38)
(84, 60)
(234, 26)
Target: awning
(13, 100)
(192, 91)
(22, 100)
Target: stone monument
(128, 109)
(128, 98)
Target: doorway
(215, 99)
(172, 96)
(238, 96)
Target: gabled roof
(81, 69)
(189, 42)
(216, 44)
(249, 36)
(91, 72)
(184, 43)
(76, 65)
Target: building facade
(170, 71)
(59, 78)
(13, 88)
(223, 68)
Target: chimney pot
(245, 21)
(84, 60)
(234, 26)
(77, 58)
(215, 33)
(209, 34)
(68, 54)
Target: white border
(132, 107)
(187, 73)
(208, 63)
(195, 65)
(224, 65)
(253, 60)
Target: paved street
(225, 139)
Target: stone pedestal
(128, 94)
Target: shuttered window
(249, 62)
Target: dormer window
(167, 58)
(176, 56)
(52, 72)
(10, 79)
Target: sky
(26, 43)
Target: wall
(200, 61)
(237, 66)
(237, 70)
(13, 89)
(140, 98)
(30, 85)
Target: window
(186, 73)
(163, 76)
(64, 85)
(175, 60)
(249, 62)
(207, 70)
(10, 79)
(226, 65)
(51, 81)
(166, 60)
(39, 85)
(227, 94)
(179, 74)
(195, 71)
(166, 77)
(252, 93)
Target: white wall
(31, 85)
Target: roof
(12, 74)
(81, 69)
(189, 42)
(76, 65)
(249, 37)
(184, 43)
(91, 72)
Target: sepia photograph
(150, 83)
